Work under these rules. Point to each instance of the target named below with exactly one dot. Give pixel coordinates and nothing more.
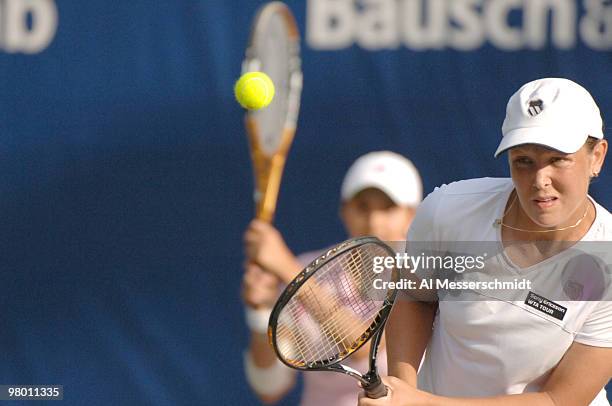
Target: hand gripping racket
(332, 308)
(274, 48)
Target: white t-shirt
(485, 347)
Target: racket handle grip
(376, 389)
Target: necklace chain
(500, 221)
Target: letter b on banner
(29, 25)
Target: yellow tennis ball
(254, 90)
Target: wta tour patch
(545, 306)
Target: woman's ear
(599, 155)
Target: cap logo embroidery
(535, 107)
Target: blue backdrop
(125, 179)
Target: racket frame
(268, 169)
(370, 381)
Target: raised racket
(273, 48)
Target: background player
(379, 194)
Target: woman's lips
(545, 202)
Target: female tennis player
(379, 193)
(501, 352)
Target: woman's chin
(546, 221)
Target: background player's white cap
(556, 113)
(390, 172)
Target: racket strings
(331, 341)
(360, 298)
(334, 311)
(273, 48)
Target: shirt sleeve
(423, 226)
(597, 329)
(422, 238)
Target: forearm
(408, 332)
(266, 375)
(261, 351)
(288, 269)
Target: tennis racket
(331, 309)
(274, 48)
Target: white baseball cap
(553, 112)
(387, 171)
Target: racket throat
(351, 372)
(370, 380)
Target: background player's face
(552, 186)
(372, 212)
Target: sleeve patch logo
(545, 306)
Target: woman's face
(552, 186)
(372, 212)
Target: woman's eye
(522, 161)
